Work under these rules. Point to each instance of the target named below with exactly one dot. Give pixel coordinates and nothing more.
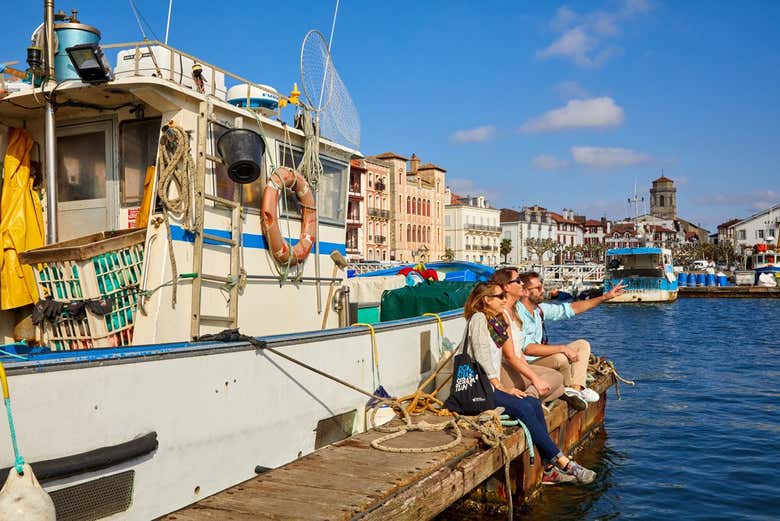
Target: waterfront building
(532, 222)
(622, 235)
(725, 232)
(760, 228)
(663, 213)
(355, 242)
(594, 232)
(416, 202)
(377, 214)
(568, 231)
(472, 230)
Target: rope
(438, 319)
(607, 367)
(18, 459)
(311, 166)
(375, 353)
(176, 168)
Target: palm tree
(506, 248)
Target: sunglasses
(517, 281)
(540, 286)
(501, 295)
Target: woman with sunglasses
(537, 381)
(484, 313)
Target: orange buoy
(288, 178)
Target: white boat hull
(656, 295)
(218, 411)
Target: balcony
(379, 239)
(354, 193)
(381, 214)
(482, 228)
(379, 186)
(353, 222)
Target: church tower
(663, 199)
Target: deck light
(90, 63)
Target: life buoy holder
(284, 177)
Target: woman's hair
(504, 276)
(476, 301)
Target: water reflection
(572, 502)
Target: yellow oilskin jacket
(21, 222)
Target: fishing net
(326, 94)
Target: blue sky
(562, 104)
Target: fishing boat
(762, 260)
(647, 272)
(177, 204)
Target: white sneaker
(589, 395)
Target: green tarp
(428, 297)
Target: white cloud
(571, 89)
(607, 158)
(587, 113)
(752, 201)
(474, 135)
(582, 38)
(548, 162)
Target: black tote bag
(470, 392)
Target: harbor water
(698, 438)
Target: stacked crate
(91, 268)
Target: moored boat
(172, 212)
(648, 274)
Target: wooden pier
(350, 480)
(729, 292)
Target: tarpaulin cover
(428, 297)
(21, 222)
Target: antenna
(168, 22)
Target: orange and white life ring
(280, 249)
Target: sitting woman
(538, 381)
(484, 306)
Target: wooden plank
(351, 480)
(433, 494)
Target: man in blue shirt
(570, 359)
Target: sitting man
(570, 359)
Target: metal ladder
(205, 117)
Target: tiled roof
(391, 155)
(561, 219)
(509, 216)
(430, 166)
(728, 223)
(663, 179)
(594, 222)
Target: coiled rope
(176, 170)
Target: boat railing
(366, 267)
(170, 68)
(570, 272)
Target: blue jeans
(529, 411)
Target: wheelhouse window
(82, 167)
(225, 187)
(330, 195)
(138, 141)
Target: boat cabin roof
(637, 251)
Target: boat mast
(49, 128)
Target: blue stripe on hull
(250, 240)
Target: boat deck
(349, 479)
(729, 292)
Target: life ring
(280, 249)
